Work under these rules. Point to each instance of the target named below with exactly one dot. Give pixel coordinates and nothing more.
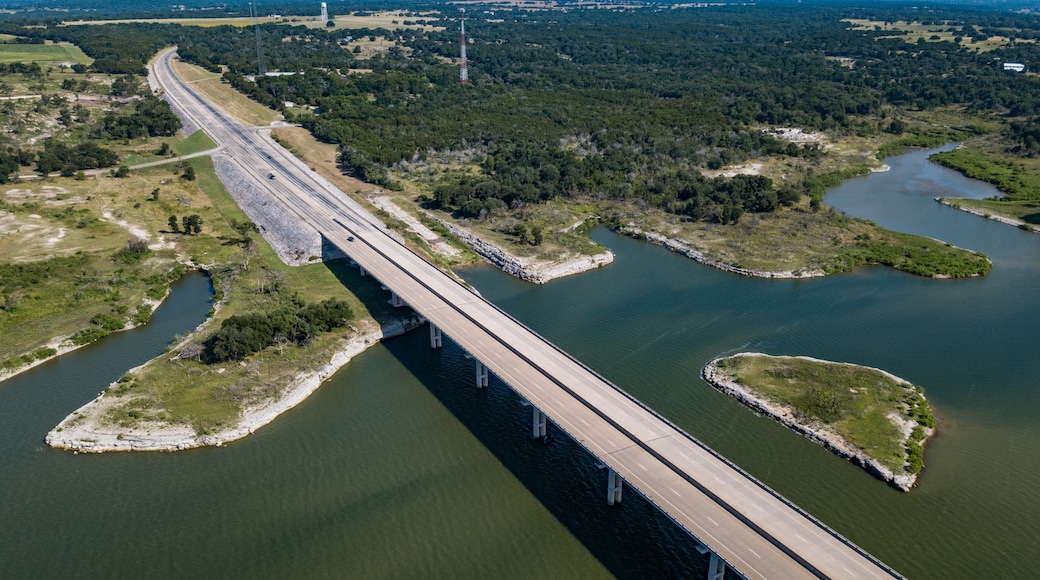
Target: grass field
(800, 240)
(214, 87)
(61, 241)
(390, 20)
(322, 157)
(857, 402)
(211, 396)
(55, 219)
(1010, 176)
(1026, 212)
(43, 53)
(198, 141)
(912, 32)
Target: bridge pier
(537, 423)
(482, 374)
(436, 338)
(364, 272)
(716, 565)
(395, 300)
(613, 487)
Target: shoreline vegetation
(863, 414)
(1019, 205)
(779, 176)
(89, 429)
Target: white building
(1015, 66)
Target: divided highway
(756, 531)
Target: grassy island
(867, 415)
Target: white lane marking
(754, 552)
(849, 571)
(641, 466)
(675, 492)
(583, 422)
(712, 521)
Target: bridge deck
(757, 532)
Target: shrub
(44, 352)
(915, 457)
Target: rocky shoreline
(681, 247)
(84, 429)
(997, 218)
(818, 433)
(529, 270)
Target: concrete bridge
(745, 526)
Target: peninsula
(866, 415)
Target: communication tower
(463, 69)
(324, 13)
(260, 70)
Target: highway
(756, 531)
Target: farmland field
(63, 52)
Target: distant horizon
(211, 6)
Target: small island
(863, 414)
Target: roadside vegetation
(622, 110)
(886, 418)
(615, 117)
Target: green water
(398, 468)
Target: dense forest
(635, 104)
(626, 104)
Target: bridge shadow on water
(632, 540)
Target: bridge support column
(395, 300)
(482, 375)
(716, 565)
(537, 423)
(716, 568)
(364, 272)
(435, 336)
(613, 487)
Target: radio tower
(260, 70)
(463, 69)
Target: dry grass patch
(912, 32)
(390, 20)
(322, 157)
(216, 89)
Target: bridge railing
(664, 420)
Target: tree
(192, 224)
(245, 229)
(189, 173)
(173, 224)
(125, 86)
(155, 194)
(164, 149)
